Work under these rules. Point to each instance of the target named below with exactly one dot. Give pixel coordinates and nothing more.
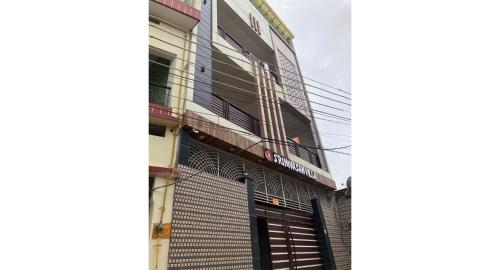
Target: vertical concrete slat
(269, 88)
(263, 122)
(267, 108)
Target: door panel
(292, 239)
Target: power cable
(213, 59)
(267, 139)
(195, 174)
(219, 116)
(254, 95)
(263, 105)
(198, 36)
(241, 89)
(246, 81)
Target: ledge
(227, 140)
(163, 171)
(162, 115)
(176, 12)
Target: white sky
(322, 30)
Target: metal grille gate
(293, 242)
(269, 185)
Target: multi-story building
(237, 180)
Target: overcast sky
(322, 30)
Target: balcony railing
(230, 112)
(235, 44)
(303, 153)
(159, 94)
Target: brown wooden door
(292, 240)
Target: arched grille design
(302, 192)
(230, 167)
(289, 188)
(268, 185)
(203, 159)
(259, 179)
(273, 183)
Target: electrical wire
(239, 88)
(264, 105)
(249, 82)
(216, 115)
(267, 139)
(199, 172)
(198, 36)
(339, 221)
(282, 83)
(213, 59)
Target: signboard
(276, 158)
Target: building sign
(276, 158)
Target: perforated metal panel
(210, 223)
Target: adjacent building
(237, 180)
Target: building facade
(236, 177)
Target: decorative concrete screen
(292, 83)
(210, 225)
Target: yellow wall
(163, 150)
(160, 150)
(178, 51)
(156, 206)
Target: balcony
(303, 153)
(159, 111)
(180, 13)
(159, 94)
(235, 44)
(230, 112)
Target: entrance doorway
(287, 239)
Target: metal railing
(232, 113)
(303, 153)
(233, 43)
(159, 94)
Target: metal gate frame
(298, 237)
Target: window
(157, 130)
(159, 90)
